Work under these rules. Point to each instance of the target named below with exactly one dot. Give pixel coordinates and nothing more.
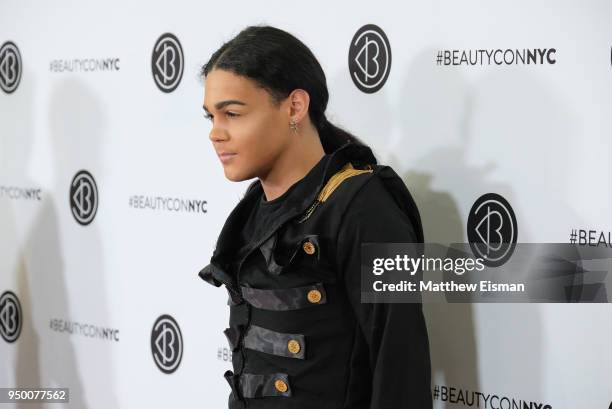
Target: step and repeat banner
(112, 197)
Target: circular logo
(166, 344)
(167, 62)
(369, 58)
(83, 197)
(10, 316)
(492, 230)
(10, 67)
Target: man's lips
(225, 156)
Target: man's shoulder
(374, 192)
(384, 196)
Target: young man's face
(245, 124)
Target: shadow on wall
(435, 109)
(58, 280)
(449, 128)
(521, 120)
(15, 151)
(450, 327)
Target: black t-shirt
(264, 211)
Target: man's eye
(228, 114)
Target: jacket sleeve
(395, 333)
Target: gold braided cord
(346, 172)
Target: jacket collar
(296, 204)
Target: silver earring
(293, 125)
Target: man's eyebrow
(223, 104)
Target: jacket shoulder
(386, 192)
(343, 176)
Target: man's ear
(299, 101)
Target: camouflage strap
(213, 275)
(260, 385)
(216, 275)
(284, 299)
(275, 343)
(233, 334)
(233, 382)
(269, 247)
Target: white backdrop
(537, 134)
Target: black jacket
(300, 336)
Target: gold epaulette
(344, 173)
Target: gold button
(314, 296)
(308, 247)
(280, 385)
(293, 346)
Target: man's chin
(235, 176)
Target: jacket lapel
(219, 270)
